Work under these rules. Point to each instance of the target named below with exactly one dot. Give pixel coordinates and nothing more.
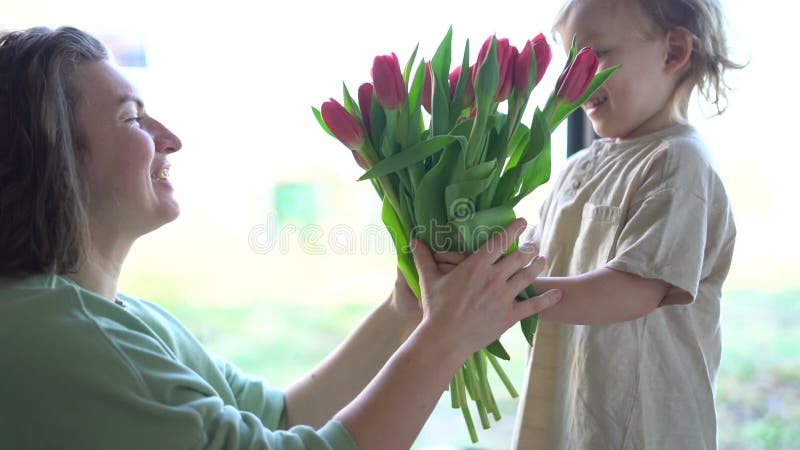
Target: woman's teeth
(161, 175)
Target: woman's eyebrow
(131, 98)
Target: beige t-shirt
(655, 207)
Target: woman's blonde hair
(704, 19)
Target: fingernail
(529, 247)
(557, 294)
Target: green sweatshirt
(80, 372)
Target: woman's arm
(464, 310)
(317, 396)
(385, 404)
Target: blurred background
(279, 251)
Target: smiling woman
(85, 167)
(127, 171)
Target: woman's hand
(404, 303)
(473, 298)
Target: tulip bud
(365, 103)
(506, 57)
(543, 56)
(576, 78)
(538, 49)
(427, 91)
(469, 91)
(342, 124)
(388, 81)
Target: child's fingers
(536, 304)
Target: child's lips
(592, 104)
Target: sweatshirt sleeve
(91, 382)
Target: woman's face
(126, 168)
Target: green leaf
(321, 122)
(440, 63)
(487, 79)
(462, 195)
(405, 260)
(349, 104)
(430, 209)
(410, 64)
(415, 92)
(497, 349)
(440, 106)
(457, 102)
(535, 171)
(528, 326)
(482, 225)
(377, 121)
(406, 157)
(517, 145)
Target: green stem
(488, 396)
(462, 398)
(453, 394)
(502, 375)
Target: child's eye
(134, 120)
(600, 53)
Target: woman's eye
(600, 53)
(134, 120)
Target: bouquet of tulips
(452, 175)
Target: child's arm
(602, 296)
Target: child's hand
(472, 299)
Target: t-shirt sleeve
(664, 238)
(676, 222)
(95, 384)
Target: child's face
(636, 100)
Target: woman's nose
(166, 141)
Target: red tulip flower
(469, 91)
(576, 78)
(388, 81)
(427, 91)
(506, 57)
(536, 48)
(343, 125)
(365, 103)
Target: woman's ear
(679, 50)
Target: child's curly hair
(705, 22)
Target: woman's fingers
(516, 260)
(446, 268)
(494, 248)
(423, 259)
(453, 258)
(526, 276)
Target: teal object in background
(297, 203)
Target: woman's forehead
(100, 83)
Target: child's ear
(679, 49)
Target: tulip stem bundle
(455, 182)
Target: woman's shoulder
(48, 322)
